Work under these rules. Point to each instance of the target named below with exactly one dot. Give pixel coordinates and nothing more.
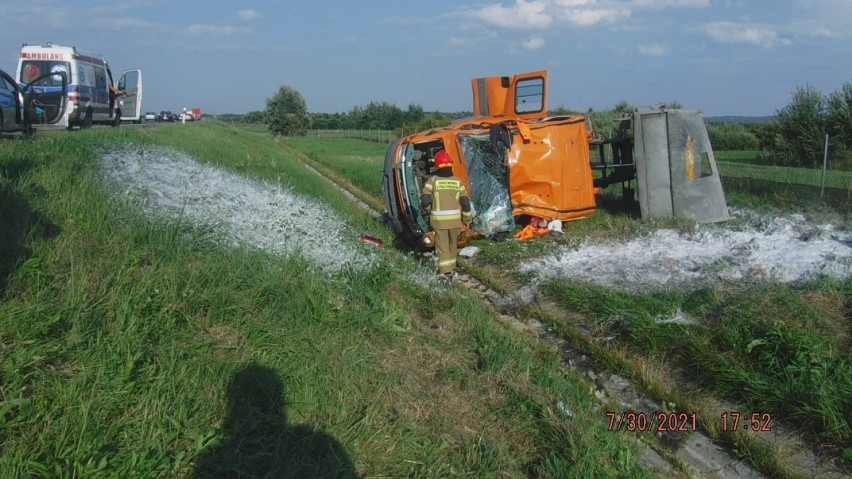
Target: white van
(89, 95)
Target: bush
(732, 136)
(287, 113)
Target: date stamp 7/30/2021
(639, 421)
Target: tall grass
(360, 162)
(775, 348)
(749, 182)
(139, 348)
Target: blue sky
(725, 57)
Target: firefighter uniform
(445, 196)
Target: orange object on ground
(530, 231)
(533, 229)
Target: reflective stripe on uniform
(446, 213)
(447, 262)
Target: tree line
(795, 136)
(286, 114)
(797, 133)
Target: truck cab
(514, 160)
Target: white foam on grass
(784, 249)
(170, 184)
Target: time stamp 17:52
(756, 421)
(683, 422)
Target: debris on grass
(169, 184)
(679, 317)
(786, 249)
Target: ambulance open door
(130, 103)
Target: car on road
(150, 116)
(167, 116)
(11, 104)
(15, 100)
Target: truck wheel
(87, 122)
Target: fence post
(824, 167)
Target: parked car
(167, 116)
(45, 108)
(150, 116)
(11, 101)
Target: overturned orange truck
(517, 162)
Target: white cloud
(748, 33)
(593, 16)
(670, 3)
(544, 14)
(654, 50)
(215, 30)
(822, 18)
(248, 15)
(523, 15)
(534, 43)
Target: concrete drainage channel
(695, 451)
(690, 454)
(692, 451)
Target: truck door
(522, 96)
(130, 86)
(529, 95)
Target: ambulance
(76, 89)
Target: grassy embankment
(138, 348)
(779, 349)
(753, 184)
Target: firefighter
(445, 197)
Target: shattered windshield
(488, 183)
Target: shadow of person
(258, 442)
(20, 223)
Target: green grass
(360, 162)
(778, 349)
(137, 348)
(752, 157)
(375, 136)
(775, 348)
(784, 174)
(750, 183)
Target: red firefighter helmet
(443, 160)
